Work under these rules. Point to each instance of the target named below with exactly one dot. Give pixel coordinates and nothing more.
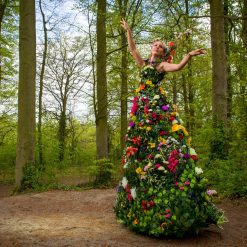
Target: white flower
(124, 182)
(161, 168)
(192, 151)
(156, 96)
(181, 121)
(174, 121)
(198, 170)
(157, 156)
(125, 165)
(133, 192)
(150, 110)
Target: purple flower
(131, 124)
(186, 156)
(165, 107)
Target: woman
(162, 191)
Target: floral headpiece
(169, 50)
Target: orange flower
(135, 221)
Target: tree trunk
(219, 142)
(41, 82)
(219, 68)
(26, 90)
(61, 135)
(124, 78)
(243, 73)
(229, 82)
(101, 117)
(3, 6)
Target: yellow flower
(140, 171)
(133, 118)
(135, 221)
(161, 139)
(188, 141)
(129, 215)
(152, 144)
(148, 129)
(177, 127)
(150, 83)
(173, 113)
(175, 108)
(163, 225)
(185, 132)
(162, 91)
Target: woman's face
(157, 49)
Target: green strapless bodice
(150, 73)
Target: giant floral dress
(162, 190)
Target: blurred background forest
(86, 77)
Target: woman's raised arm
(135, 53)
(167, 67)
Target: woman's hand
(197, 52)
(124, 25)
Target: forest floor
(86, 218)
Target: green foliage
(102, 170)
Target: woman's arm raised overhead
(167, 67)
(135, 53)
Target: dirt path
(70, 218)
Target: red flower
(180, 136)
(181, 188)
(136, 140)
(171, 44)
(131, 151)
(151, 203)
(162, 132)
(127, 188)
(167, 210)
(194, 157)
(172, 118)
(129, 197)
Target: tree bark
(101, 117)
(41, 83)
(219, 68)
(219, 142)
(124, 77)
(26, 90)
(229, 81)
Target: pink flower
(168, 215)
(181, 188)
(176, 184)
(145, 168)
(211, 192)
(186, 183)
(157, 166)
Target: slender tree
(219, 79)
(124, 79)
(26, 94)
(101, 116)
(41, 83)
